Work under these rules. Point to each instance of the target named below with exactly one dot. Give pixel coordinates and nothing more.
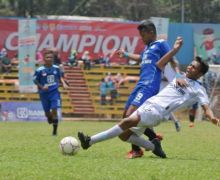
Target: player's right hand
(45, 88)
(120, 52)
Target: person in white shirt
(158, 108)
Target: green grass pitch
(28, 151)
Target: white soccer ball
(69, 145)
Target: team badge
(44, 73)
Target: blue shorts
(50, 100)
(139, 95)
(195, 106)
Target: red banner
(97, 37)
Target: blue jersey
(149, 72)
(150, 75)
(49, 77)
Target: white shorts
(150, 117)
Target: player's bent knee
(125, 135)
(123, 138)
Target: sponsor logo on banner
(22, 111)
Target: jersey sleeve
(164, 47)
(203, 97)
(36, 77)
(61, 70)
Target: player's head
(147, 31)
(197, 68)
(48, 57)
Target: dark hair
(147, 25)
(48, 51)
(204, 67)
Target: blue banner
(22, 111)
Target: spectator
(103, 91)
(39, 57)
(86, 60)
(73, 58)
(3, 53)
(106, 60)
(6, 64)
(15, 60)
(108, 76)
(112, 90)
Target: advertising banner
(97, 37)
(22, 111)
(207, 42)
(26, 54)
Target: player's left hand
(65, 86)
(65, 83)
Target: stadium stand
(9, 91)
(82, 98)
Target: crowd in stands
(109, 88)
(5, 62)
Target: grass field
(28, 151)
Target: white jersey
(168, 74)
(174, 97)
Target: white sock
(108, 134)
(139, 141)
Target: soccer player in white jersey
(157, 108)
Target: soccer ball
(69, 145)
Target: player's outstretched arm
(168, 56)
(209, 114)
(65, 84)
(122, 53)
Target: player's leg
(176, 122)
(150, 117)
(55, 121)
(136, 99)
(135, 151)
(122, 130)
(134, 138)
(192, 114)
(115, 131)
(46, 106)
(55, 105)
(49, 117)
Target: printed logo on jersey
(138, 97)
(152, 47)
(50, 79)
(54, 72)
(179, 89)
(147, 109)
(44, 73)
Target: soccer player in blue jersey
(47, 79)
(150, 75)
